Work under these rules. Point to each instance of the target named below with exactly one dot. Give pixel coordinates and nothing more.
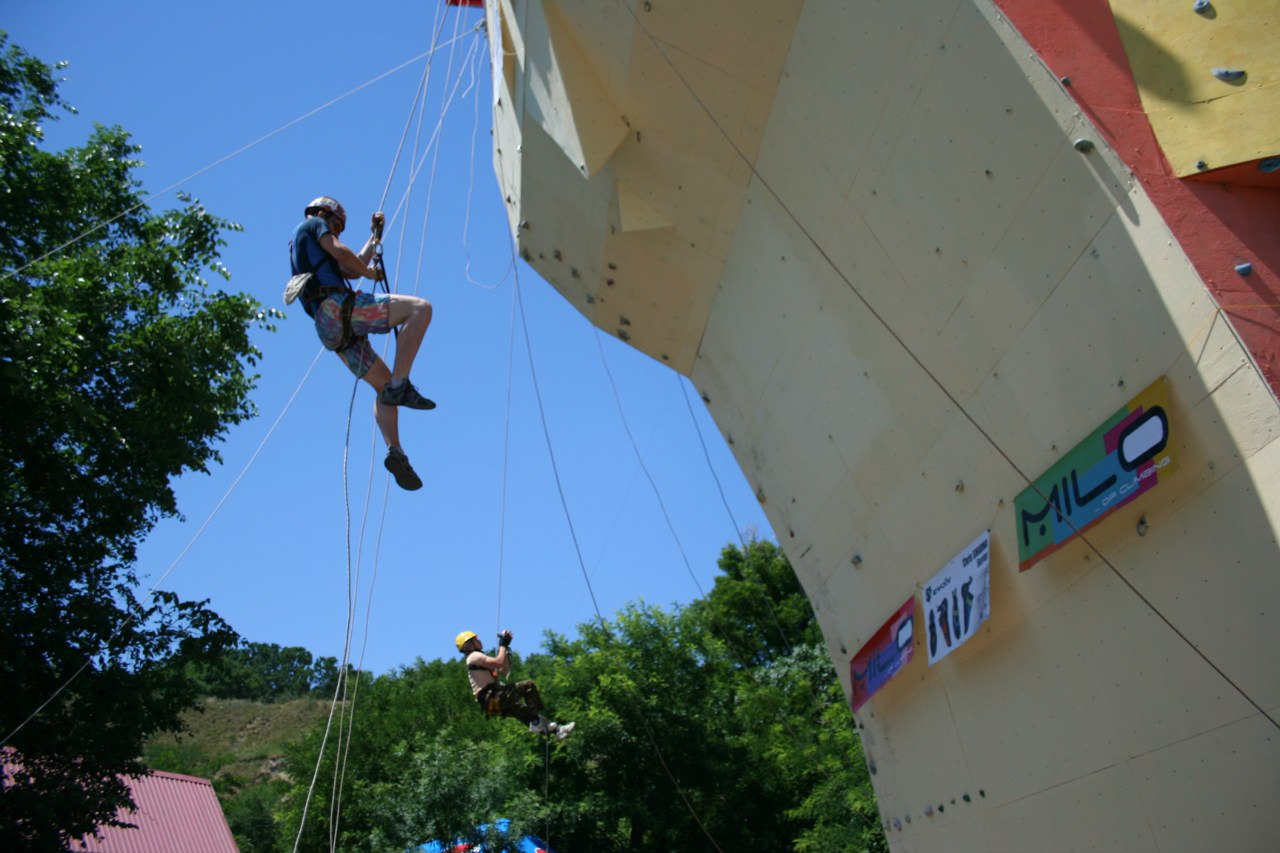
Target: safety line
(924, 368)
(340, 687)
(617, 400)
(343, 746)
(466, 218)
(346, 718)
(684, 387)
(220, 161)
(506, 455)
(208, 519)
(424, 84)
(581, 562)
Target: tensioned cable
(506, 455)
(684, 387)
(617, 400)
(340, 686)
(830, 262)
(657, 493)
(582, 563)
(345, 736)
(353, 580)
(342, 747)
(208, 519)
(471, 185)
(419, 97)
(224, 159)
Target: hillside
(234, 742)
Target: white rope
(151, 592)
(221, 160)
(506, 455)
(346, 716)
(466, 219)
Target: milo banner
(1126, 457)
(888, 651)
(958, 598)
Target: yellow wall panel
(1203, 122)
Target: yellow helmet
(464, 638)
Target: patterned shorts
(371, 315)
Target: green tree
(266, 672)
(722, 719)
(120, 368)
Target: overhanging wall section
(926, 237)
(938, 278)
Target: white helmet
(332, 205)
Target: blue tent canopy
(526, 844)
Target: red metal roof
(175, 814)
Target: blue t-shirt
(307, 255)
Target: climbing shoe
(564, 729)
(540, 728)
(398, 464)
(400, 392)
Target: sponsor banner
(1127, 456)
(958, 598)
(884, 654)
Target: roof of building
(175, 814)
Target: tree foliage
(722, 720)
(266, 672)
(120, 368)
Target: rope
(101, 225)
(582, 563)
(830, 262)
(724, 501)
(617, 400)
(684, 386)
(346, 718)
(506, 455)
(340, 687)
(151, 592)
(423, 84)
(466, 218)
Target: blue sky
(194, 84)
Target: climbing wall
(1209, 76)
(912, 274)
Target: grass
(234, 742)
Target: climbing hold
(928, 811)
(1066, 81)
(1201, 6)
(1229, 75)
(1084, 146)
(1244, 268)
(1201, 165)
(966, 798)
(1269, 166)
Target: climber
(498, 698)
(345, 317)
